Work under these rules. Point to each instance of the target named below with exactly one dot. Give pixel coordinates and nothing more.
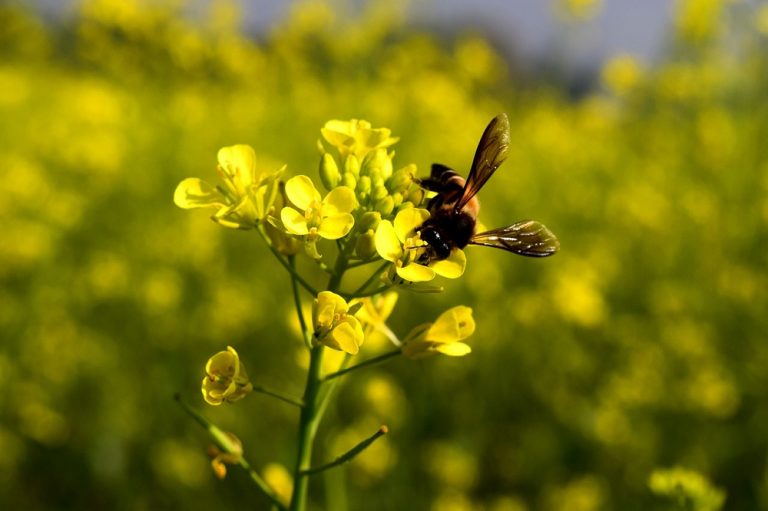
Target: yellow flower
(334, 326)
(226, 379)
(328, 218)
(401, 244)
(374, 313)
(246, 196)
(220, 458)
(621, 74)
(356, 137)
(442, 336)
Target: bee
(455, 208)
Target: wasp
(454, 210)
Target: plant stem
(308, 423)
(285, 264)
(373, 277)
(314, 406)
(297, 302)
(371, 361)
(350, 454)
(225, 443)
(281, 397)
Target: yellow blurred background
(641, 346)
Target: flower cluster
(246, 197)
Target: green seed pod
(329, 172)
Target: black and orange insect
(455, 208)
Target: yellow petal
(415, 272)
(454, 349)
(387, 244)
(301, 192)
(325, 306)
(239, 162)
(453, 266)
(336, 226)
(294, 222)
(196, 193)
(408, 220)
(345, 338)
(452, 325)
(340, 200)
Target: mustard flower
(442, 336)
(246, 196)
(327, 218)
(225, 379)
(374, 313)
(356, 137)
(399, 243)
(334, 325)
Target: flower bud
(402, 178)
(365, 248)
(352, 165)
(363, 186)
(347, 179)
(379, 192)
(379, 162)
(385, 206)
(369, 220)
(329, 172)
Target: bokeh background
(640, 347)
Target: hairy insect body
(454, 209)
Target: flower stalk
(372, 212)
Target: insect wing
(491, 153)
(528, 238)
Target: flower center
(313, 214)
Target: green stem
(224, 442)
(314, 405)
(285, 263)
(308, 423)
(263, 390)
(297, 302)
(376, 291)
(350, 454)
(371, 361)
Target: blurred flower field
(630, 368)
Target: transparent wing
(490, 154)
(528, 238)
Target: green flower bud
(352, 166)
(378, 162)
(349, 180)
(363, 185)
(329, 172)
(397, 198)
(402, 178)
(368, 220)
(365, 248)
(379, 192)
(385, 205)
(415, 195)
